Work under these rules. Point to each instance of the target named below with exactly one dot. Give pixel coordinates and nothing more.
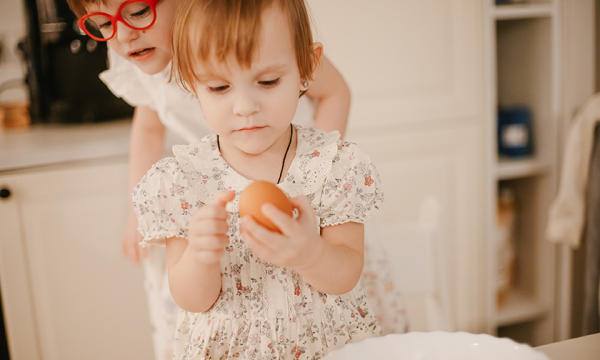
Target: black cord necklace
(284, 156)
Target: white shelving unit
(522, 56)
(520, 308)
(522, 11)
(507, 169)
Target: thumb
(222, 198)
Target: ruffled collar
(208, 172)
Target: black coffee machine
(63, 66)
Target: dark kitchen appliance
(63, 66)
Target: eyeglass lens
(137, 14)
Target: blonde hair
(206, 28)
(79, 7)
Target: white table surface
(583, 348)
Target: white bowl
(436, 345)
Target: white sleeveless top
(178, 110)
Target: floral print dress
(264, 311)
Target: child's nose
(245, 105)
(125, 34)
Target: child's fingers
(302, 204)
(216, 208)
(215, 242)
(259, 232)
(132, 251)
(130, 242)
(282, 220)
(252, 234)
(210, 226)
(211, 211)
(222, 198)
(129, 252)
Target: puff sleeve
(128, 82)
(352, 190)
(164, 203)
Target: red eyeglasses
(136, 14)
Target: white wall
(12, 30)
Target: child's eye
(142, 12)
(270, 83)
(106, 25)
(218, 89)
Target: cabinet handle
(4, 193)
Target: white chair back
(417, 258)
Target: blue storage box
(515, 137)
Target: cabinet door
(415, 69)
(67, 290)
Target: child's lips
(141, 54)
(251, 128)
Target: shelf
(523, 61)
(520, 308)
(525, 11)
(514, 169)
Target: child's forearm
(332, 97)
(147, 143)
(195, 286)
(341, 264)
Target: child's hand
(207, 233)
(131, 241)
(299, 243)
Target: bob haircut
(206, 28)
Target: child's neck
(267, 165)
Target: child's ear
(317, 49)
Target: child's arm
(340, 256)
(146, 148)
(332, 96)
(194, 265)
(331, 261)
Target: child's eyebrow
(272, 68)
(207, 75)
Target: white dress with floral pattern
(264, 311)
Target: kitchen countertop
(57, 143)
(582, 348)
(46, 144)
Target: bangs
(213, 31)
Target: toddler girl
(139, 58)
(246, 291)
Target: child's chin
(152, 66)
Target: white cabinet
(415, 70)
(67, 290)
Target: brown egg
(259, 193)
